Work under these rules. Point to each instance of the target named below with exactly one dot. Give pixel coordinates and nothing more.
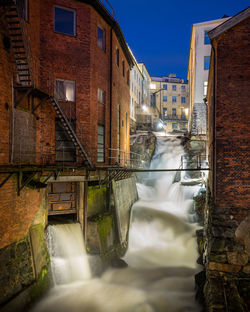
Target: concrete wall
(125, 194)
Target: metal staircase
(18, 46)
(70, 131)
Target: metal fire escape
(25, 79)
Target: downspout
(213, 125)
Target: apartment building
(170, 97)
(136, 94)
(197, 76)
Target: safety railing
(194, 161)
(109, 8)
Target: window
(117, 57)
(128, 77)
(64, 21)
(174, 99)
(165, 86)
(183, 99)
(174, 126)
(165, 112)
(173, 111)
(183, 115)
(101, 38)
(174, 87)
(100, 144)
(206, 38)
(123, 68)
(64, 147)
(101, 96)
(206, 62)
(183, 88)
(205, 88)
(65, 90)
(22, 8)
(165, 98)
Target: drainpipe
(213, 125)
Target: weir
(161, 254)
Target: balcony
(181, 118)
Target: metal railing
(175, 117)
(109, 8)
(194, 161)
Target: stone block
(237, 258)
(224, 267)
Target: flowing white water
(161, 254)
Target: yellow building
(170, 97)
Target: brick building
(228, 222)
(64, 109)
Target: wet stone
(237, 258)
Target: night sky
(158, 32)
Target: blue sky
(158, 32)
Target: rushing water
(161, 255)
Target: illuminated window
(101, 38)
(206, 38)
(174, 126)
(64, 21)
(101, 96)
(165, 112)
(206, 62)
(205, 88)
(65, 90)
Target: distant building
(170, 97)
(197, 76)
(136, 94)
(228, 224)
(144, 113)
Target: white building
(198, 68)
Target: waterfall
(161, 253)
(68, 257)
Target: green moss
(41, 285)
(104, 227)
(97, 202)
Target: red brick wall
(16, 212)
(232, 119)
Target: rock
(200, 279)
(218, 258)
(237, 258)
(118, 263)
(224, 267)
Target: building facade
(136, 94)
(144, 116)
(228, 222)
(170, 97)
(197, 76)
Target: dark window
(165, 98)
(206, 62)
(183, 99)
(174, 126)
(123, 68)
(100, 144)
(101, 38)
(22, 8)
(128, 77)
(174, 99)
(65, 148)
(117, 57)
(183, 88)
(174, 111)
(206, 38)
(165, 86)
(65, 90)
(64, 21)
(174, 87)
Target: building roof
(108, 14)
(210, 22)
(229, 23)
